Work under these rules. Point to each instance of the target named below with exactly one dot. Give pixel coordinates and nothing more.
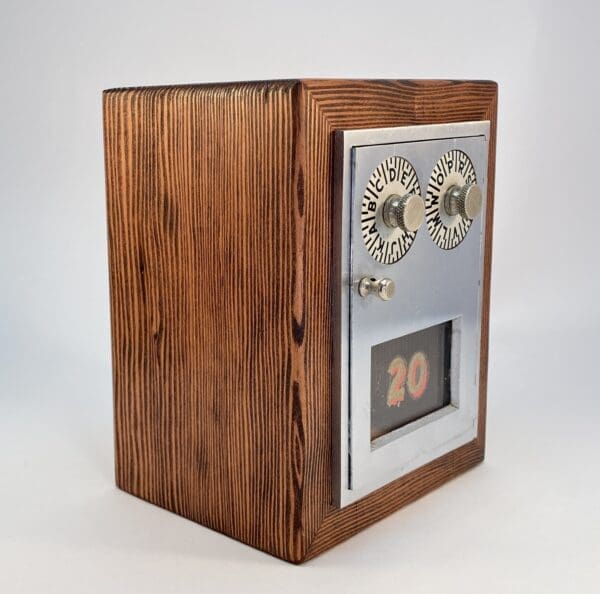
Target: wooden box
(224, 271)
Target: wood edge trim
(460, 461)
(491, 114)
(107, 113)
(477, 445)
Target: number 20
(414, 376)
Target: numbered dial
(388, 210)
(452, 196)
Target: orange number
(418, 375)
(398, 371)
(415, 376)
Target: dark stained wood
(220, 221)
(333, 105)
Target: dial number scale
(454, 169)
(394, 177)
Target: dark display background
(435, 344)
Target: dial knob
(384, 288)
(406, 212)
(465, 201)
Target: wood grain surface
(221, 230)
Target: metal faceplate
(435, 280)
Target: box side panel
(207, 320)
(338, 105)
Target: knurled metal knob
(466, 201)
(406, 212)
(384, 288)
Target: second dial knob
(466, 201)
(406, 212)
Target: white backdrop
(527, 520)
